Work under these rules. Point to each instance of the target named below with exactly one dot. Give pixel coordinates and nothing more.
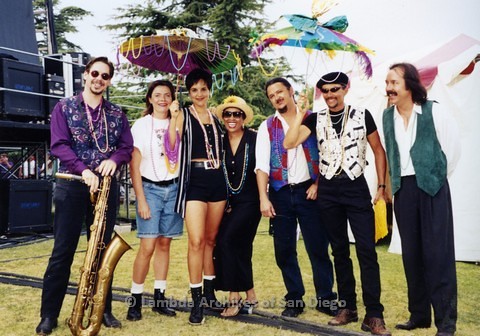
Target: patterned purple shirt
(73, 143)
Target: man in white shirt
(287, 184)
(423, 148)
(29, 168)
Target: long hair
(196, 75)
(412, 82)
(151, 87)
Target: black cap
(333, 78)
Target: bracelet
(381, 186)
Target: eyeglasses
(95, 73)
(333, 89)
(235, 114)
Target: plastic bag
(381, 229)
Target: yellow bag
(380, 209)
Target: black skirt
(234, 247)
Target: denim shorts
(164, 220)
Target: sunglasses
(235, 114)
(105, 76)
(333, 89)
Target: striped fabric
(186, 157)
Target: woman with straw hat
(233, 251)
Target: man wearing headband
(342, 133)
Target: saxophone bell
(97, 271)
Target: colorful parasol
(179, 51)
(310, 33)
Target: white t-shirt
(29, 168)
(153, 165)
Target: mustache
(391, 92)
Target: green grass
(20, 305)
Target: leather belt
(341, 175)
(203, 164)
(305, 184)
(160, 183)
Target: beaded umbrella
(179, 51)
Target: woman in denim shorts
(154, 174)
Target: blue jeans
(291, 205)
(72, 209)
(164, 221)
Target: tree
(229, 22)
(63, 22)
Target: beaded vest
(346, 151)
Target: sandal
(232, 309)
(248, 306)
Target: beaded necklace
(342, 131)
(170, 169)
(171, 155)
(340, 117)
(276, 138)
(101, 114)
(239, 188)
(215, 162)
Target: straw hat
(239, 103)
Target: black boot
(196, 314)
(135, 307)
(46, 325)
(160, 304)
(209, 295)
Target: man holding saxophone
(92, 138)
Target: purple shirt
(62, 141)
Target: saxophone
(97, 270)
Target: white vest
(346, 151)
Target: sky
(389, 27)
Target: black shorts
(206, 185)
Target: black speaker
(54, 64)
(24, 79)
(78, 61)
(82, 59)
(17, 30)
(54, 86)
(25, 206)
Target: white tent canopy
(450, 74)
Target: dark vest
(428, 159)
(82, 142)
